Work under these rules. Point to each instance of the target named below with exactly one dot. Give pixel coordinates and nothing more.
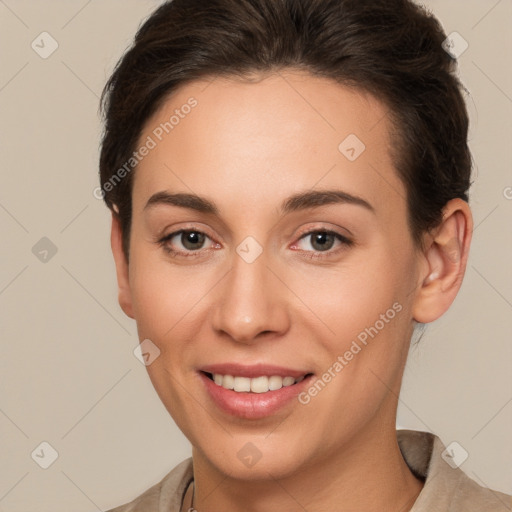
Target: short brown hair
(389, 48)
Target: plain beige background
(68, 374)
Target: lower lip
(253, 405)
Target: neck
(368, 474)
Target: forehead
(285, 130)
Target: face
(268, 242)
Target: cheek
(352, 296)
(163, 295)
(363, 367)
(163, 303)
(369, 309)
(152, 297)
(365, 313)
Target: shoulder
(469, 495)
(446, 487)
(166, 495)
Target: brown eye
(322, 241)
(192, 240)
(186, 242)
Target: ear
(445, 256)
(123, 282)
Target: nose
(251, 303)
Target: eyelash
(163, 242)
(345, 242)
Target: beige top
(446, 488)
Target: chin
(254, 458)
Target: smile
(253, 392)
(261, 384)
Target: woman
(288, 181)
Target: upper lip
(252, 371)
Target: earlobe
(123, 283)
(445, 257)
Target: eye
(321, 241)
(185, 241)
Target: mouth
(260, 384)
(255, 392)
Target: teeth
(257, 385)
(241, 383)
(275, 383)
(227, 381)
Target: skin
(248, 146)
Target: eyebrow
(315, 198)
(296, 202)
(191, 201)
